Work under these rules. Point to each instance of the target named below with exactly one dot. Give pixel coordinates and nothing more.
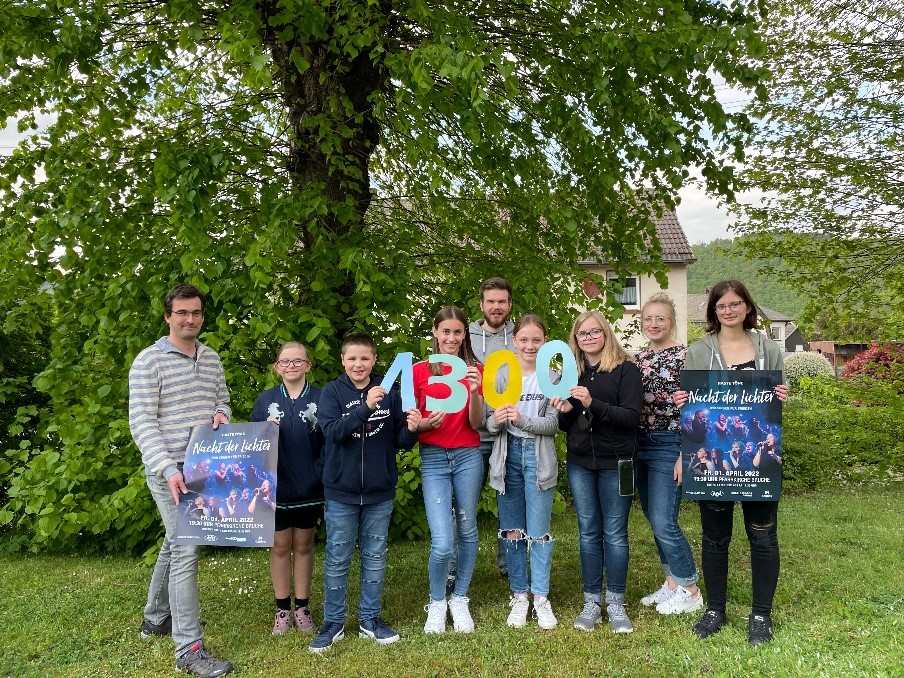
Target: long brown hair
(465, 352)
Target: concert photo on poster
(230, 474)
(731, 435)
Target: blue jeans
(450, 479)
(660, 498)
(527, 509)
(173, 591)
(602, 519)
(346, 524)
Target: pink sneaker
(282, 623)
(303, 619)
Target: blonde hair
(293, 344)
(614, 353)
(665, 300)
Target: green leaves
(320, 167)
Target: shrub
(798, 365)
(880, 362)
(836, 432)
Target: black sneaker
(709, 623)
(150, 629)
(378, 630)
(198, 662)
(759, 629)
(450, 584)
(329, 633)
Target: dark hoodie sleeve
(259, 411)
(626, 413)
(337, 428)
(567, 419)
(404, 439)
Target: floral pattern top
(660, 372)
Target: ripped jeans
(527, 509)
(760, 523)
(451, 478)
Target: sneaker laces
(758, 624)
(590, 610)
(709, 620)
(617, 612)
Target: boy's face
(358, 362)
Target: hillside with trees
(721, 259)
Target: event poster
(230, 474)
(731, 435)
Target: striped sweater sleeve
(169, 393)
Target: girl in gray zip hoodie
(731, 344)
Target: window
(778, 333)
(630, 291)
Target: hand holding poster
(230, 474)
(731, 435)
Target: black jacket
(360, 453)
(613, 415)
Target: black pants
(760, 522)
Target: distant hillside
(716, 261)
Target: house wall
(628, 326)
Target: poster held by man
(230, 473)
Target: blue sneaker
(379, 630)
(329, 633)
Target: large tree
(318, 166)
(829, 157)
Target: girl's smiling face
(450, 334)
(292, 364)
(528, 341)
(657, 322)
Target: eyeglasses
(297, 362)
(658, 318)
(592, 334)
(734, 306)
(188, 314)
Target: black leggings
(760, 522)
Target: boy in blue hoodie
(364, 426)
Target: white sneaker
(543, 611)
(660, 595)
(436, 616)
(518, 616)
(461, 615)
(680, 602)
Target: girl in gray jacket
(524, 470)
(732, 344)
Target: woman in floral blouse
(658, 459)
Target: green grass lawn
(838, 611)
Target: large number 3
(456, 401)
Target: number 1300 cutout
(401, 368)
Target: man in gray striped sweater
(175, 384)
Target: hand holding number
(374, 396)
(413, 416)
(560, 405)
(474, 378)
(582, 394)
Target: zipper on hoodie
(363, 435)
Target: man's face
(186, 319)
(496, 306)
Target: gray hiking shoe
(198, 662)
